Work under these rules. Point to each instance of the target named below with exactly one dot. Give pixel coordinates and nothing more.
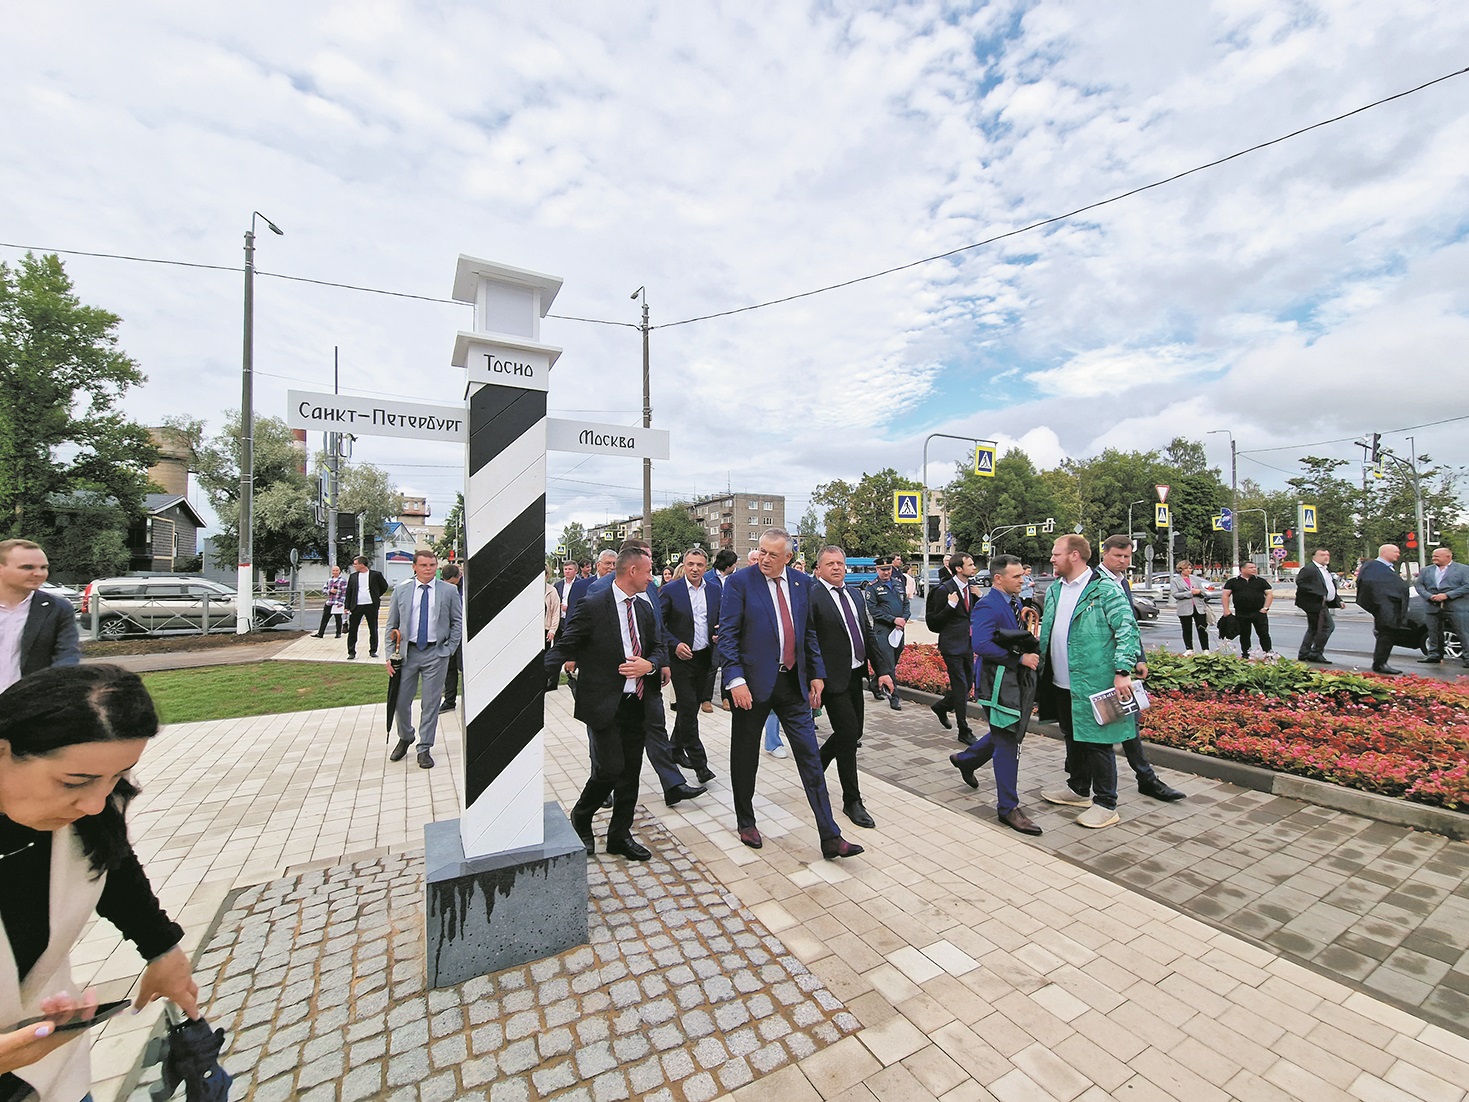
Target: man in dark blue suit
(690, 608)
(948, 609)
(772, 662)
(999, 610)
(41, 625)
(1382, 592)
(615, 643)
(848, 642)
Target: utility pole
(923, 500)
(245, 579)
(333, 450)
(647, 422)
(1233, 497)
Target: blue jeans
(772, 732)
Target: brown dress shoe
(706, 707)
(1019, 821)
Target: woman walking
(1189, 603)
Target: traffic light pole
(923, 501)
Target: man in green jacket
(1089, 643)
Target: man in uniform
(887, 601)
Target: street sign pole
(923, 530)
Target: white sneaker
(1098, 816)
(1188, 654)
(779, 752)
(1066, 797)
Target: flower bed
(1401, 736)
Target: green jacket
(1103, 642)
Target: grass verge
(263, 688)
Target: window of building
(769, 505)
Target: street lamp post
(923, 503)
(647, 423)
(245, 581)
(1234, 497)
(1139, 501)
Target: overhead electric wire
(1352, 439)
(1069, 214)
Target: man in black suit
(1384, 594)
(1316, 596)
(365, 589)
(38, 630)
(845, 634)
(690, 613)
(614, 641)
(948, 609)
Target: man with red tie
(772, 663)
(948, 611)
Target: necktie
(964, 594)
(788, 650)
(422, 639)
(859, 648)
(1015, 608)
(632, 634)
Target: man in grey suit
(429, 616)
(38, 630)
(1444, 587)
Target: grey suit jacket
(448, 615)
(49, 637)
(1180, 588)
(1455, 581)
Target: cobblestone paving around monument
(681, 995)
(1381, 907)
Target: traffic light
(1178, 543)
(933, 529)
(1412, 541)
(1290, 534)
(1377, 447)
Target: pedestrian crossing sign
(984, 547)
(1308, 518)
(984, 460)
(1030, 529)
(906, 508)
(1162, 516)
(1218, 520)
(1277, 539)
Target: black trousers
(1091, 767)
(1188, 623)
(451, 675)
(1382, 648)
(890, 653)
(1260, 621)
(845, 710)
(326, 615)
(961, 672)
(1319, 626)
(689, 679)
(356, 617)
(617, 764)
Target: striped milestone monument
(507, 882)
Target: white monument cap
(506, 299)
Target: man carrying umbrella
(1008, 658)
(430, 617)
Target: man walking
(772, 662)
(1089, 644)
(1116, 562)
(429, 618)
(948, 609)
(1252, 597)
(564, 586)
(332, 595)
(1316, 596)
(1444, 587)
(365, 589)
(1385, 595)
(999, 611)
(690, 608)
(847, 640)
(615, 645)
(38, 630)
(888, 604)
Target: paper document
(1108, 708)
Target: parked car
(137, 606)
(1453, 646)
(65, 592)
(1145, 607)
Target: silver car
(141, 606)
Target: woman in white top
(1189, 603)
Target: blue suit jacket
(991, 613)
(675, 602)
(749, 635)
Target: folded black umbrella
(395, 659)
(189, 1054)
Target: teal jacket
(1103, 642)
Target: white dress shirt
(12, 627)
(841, 596)
(1330, 585)
(364, 594)
(699, 602)
(631, 684)
(419, 597)
(1061, 628)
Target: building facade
(732, 520)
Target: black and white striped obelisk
(505, 523)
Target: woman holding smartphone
(68, 738)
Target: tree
(367, 491)
(859, 518)
(87, 539)
(61, 378)
(1017, 494)
(452, 542)
(1338, 510)
(810, 531)
(674, 532)
(578, 546)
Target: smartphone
(104, 1011)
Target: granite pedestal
(487, 913)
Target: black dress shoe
(681, 759)
(705, 774)
(1018, 820)
(372, 654)
(626, 847)
(608, 801)
(967, 737)
(583, 828)
(447, 705)
(318, 635)
(350, 656)
(1385, 669)
(401, 750)
(832, 848)
(1159, 791)
(965, 771)
(751, 837)
(425, 760)
(588, 841)
(1432, 658)
(858, 814)
(681, 792)
(895, 704)
(943, 716)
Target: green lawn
(264, 688)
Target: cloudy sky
(724, 155)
